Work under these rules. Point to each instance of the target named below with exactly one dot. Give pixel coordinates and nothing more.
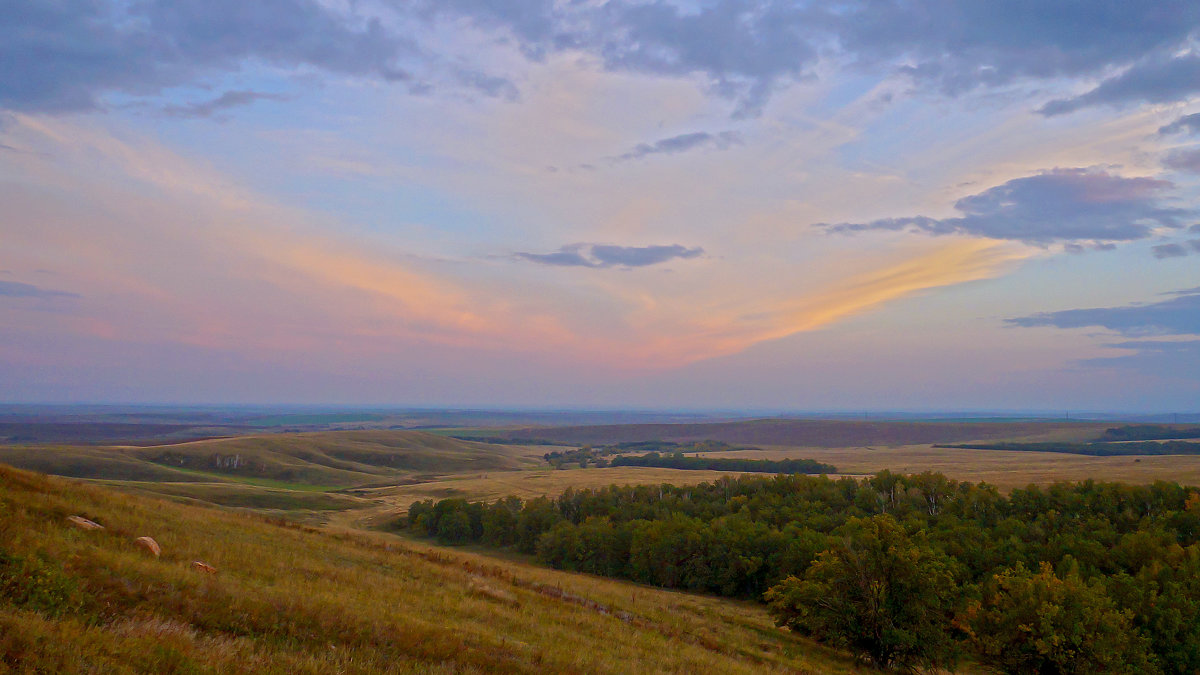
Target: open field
(535, 483)
(1003, 469)
(290, 599)
(363, 478)
(819, 433)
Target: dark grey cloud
(567, 256)
(1176, 249)
(959, 45)
(1061, 205)
(641, 256)
(1186, 124)
(1169, 251)
(748, 48)
(1187, 160)
(1156, 81)
(683, 143)
(605, 255)
(230, 99)
(742, 48)
(15, 289)
(62, 56)
(1177, 315)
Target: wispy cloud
(606, 255)
(683, 143)
(230, 99)
(1186, 124)
(1187, 161)
(14, 289)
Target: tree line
(679, 461)
(1149, 432)
(909, 572)
(597, 456)
(1096, 449)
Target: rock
(84, 523)
(149, 544)
(204, 567)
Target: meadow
(292, 522)
(293, 599)
(1004, 469)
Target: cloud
(1170, 359)
(683, 143)
(230, 99)
(603, 255)
(14, 289)
(63, 56)
(960, 46)
(1184, 160)
(1176, 250)
(746, 49)
(1169, 251)
(66, 55)
(1178, 315)
(1061, 205)
(1186, 124)
(1158, 81)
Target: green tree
(1039, 623)
(454, 528)
(877, 592)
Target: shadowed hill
(330, 458)
(290, 599)
(815, 433)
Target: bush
(36, 584)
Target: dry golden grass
(289, 599)
(1004, 469)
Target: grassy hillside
(814, 433)
(290, 599)
(326, 459)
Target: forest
(911, 572)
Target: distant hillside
(816, 433)
(291, 600)
(328, 458)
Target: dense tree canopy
(878, 592)
(1127, 555)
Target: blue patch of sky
(262, 146)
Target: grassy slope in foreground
(297, 600)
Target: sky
(741, 204)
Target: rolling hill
(812, 433)
(325, 459)
(291, 599)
